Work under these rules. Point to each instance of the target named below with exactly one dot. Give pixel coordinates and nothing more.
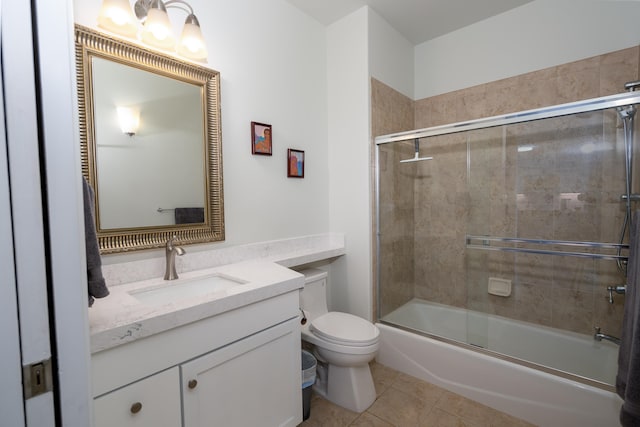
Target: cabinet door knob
(136, 407)
(192, 384)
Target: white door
(41, 291)
(64, 216)
(26, 215)
(11, 372)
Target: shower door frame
(594, 104)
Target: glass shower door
(533, 187)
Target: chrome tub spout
(599, 336)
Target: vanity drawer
(153, 401)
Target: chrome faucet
(599, 336)
(170, 252)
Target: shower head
(416, 157)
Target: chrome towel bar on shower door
(485, 243)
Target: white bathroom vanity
(228, 355)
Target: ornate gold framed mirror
(150, 144)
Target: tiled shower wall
(478, 183)
(393, 112)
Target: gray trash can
(308, 378)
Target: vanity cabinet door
(252, 382)
(152, 402)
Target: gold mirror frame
(90, 43)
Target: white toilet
(344, 345)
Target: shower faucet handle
(621, 290)
(631, 86)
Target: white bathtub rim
(581, 374)
(572, 378)
(546, 400)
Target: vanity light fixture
(116, 16)
(129, 119)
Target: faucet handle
(610, 292)
(171, 246)
(171, 240)
(620, 289)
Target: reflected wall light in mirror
(116, 16)
(129, 119)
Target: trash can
(308, 378)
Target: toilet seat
(345, 329)
(318, 341)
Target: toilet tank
(313, 297)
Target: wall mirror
(150, 144)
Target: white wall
(349, 161)
(360, 46)
(390, 55)
(273, 70)
(540, 34)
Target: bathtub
(542, 396)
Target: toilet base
(349, 387)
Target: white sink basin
(174, 290)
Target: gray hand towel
(189, 215)
(628, 377)
(95, 282)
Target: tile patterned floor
(406, 401)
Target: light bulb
(157, 30)
(191, 43)
(116, 16)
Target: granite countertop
(121, 318)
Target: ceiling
(417, 20)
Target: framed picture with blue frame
(261, 142)
(295, 163)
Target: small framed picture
(261, 139)
(295, 163)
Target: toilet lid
(345, 329)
